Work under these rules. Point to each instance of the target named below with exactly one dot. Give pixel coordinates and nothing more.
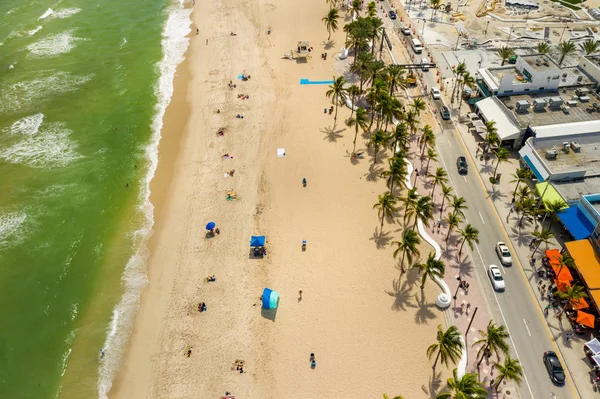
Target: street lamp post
(563, 32)
(423, 32)
(486, 28)
(457, 288)
(509, 33)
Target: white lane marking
(483, 221)
(465, 177)
(527, 327)
(449, 143)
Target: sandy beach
(368, 326)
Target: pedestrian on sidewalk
(569, 336)
(546, 310)
(540, 285)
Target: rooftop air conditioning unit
(566, 147)
(584, 99)
(555, 102)
(571, 103)
(539, 103)
(582, 91)
(551, 154)
(522, 105)
(575, 146)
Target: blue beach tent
(270, 299)
(257, 241)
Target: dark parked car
(445, 112)
(461, 165)
(392, 15)
(555, 369)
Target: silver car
(435, 93)
(503, 254)
(496, 278)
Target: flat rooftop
(573, 190)
(549, 116)
(588, 157)
(540, 62)
(569, 76)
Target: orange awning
(585, 318)
(553, 253)
(562, 285)
(562, 273)
(586, 261)
(579, 304)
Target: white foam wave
(174, 45)
(123, 43)
(59, 43)
(34, 31)
(66, 12)
(27, 94)
(29, 143)
(46, 14)
(10, 226)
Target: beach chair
(231, 195)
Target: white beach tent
(594, 346)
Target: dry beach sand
(368, 330)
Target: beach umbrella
(579, 304)
(562, 273)
(585, 318)
(210, 225)
(270, 299)
(562, 286)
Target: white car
(425, 64)
(504, 254)
(496, 278)
(435, 93)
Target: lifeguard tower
(302, 50)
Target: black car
(555, 369)
(461, 165)
(445, 112)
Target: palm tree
(460, 69)
(589, 46)
(431, 156)
(440, 176)
(412, 121)
(572, 294)
(446, 193)
(355, 7)
(400, 138)
(491, 137)
(397, 172)
(453, 221)
(468, 235)
(360, 66)
(520, 175)
(376, 28)
(459, 204)
(493, 340)
(469, 81)
(510, 370)
(505, 53)
(543, 236)
(394, 74)
(332, 3)
(432, 268)
(372, 9)
(523, 192)
(527, 206)
(565, 48)
(427, 138)
(385, 206)
(388, 109)
(330, 21)
(435, 4)
(449, 346)
(408, 247)
(361, 120)
(385, 395)
(553, 208)
(353, 91)
(423, 210)
(418, 105)
(410, 201)
(543, 48)
(502, 155)
(336, 93)
(378, 139)
(376, 69)
(464, 387)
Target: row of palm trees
(449, 346)
(564, 48)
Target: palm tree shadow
(496, 194)
(486, 169)
(332, 134)
(381, 239)
(425, 311)
(374, 173)
(402, 294)
(522, 236)
(328, 44)
(465, 267)
(434, 385)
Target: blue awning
(257, 241)
(533, 169)
(576, 222)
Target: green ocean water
(82, 89)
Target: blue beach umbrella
(210, 225)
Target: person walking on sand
(197, 31)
